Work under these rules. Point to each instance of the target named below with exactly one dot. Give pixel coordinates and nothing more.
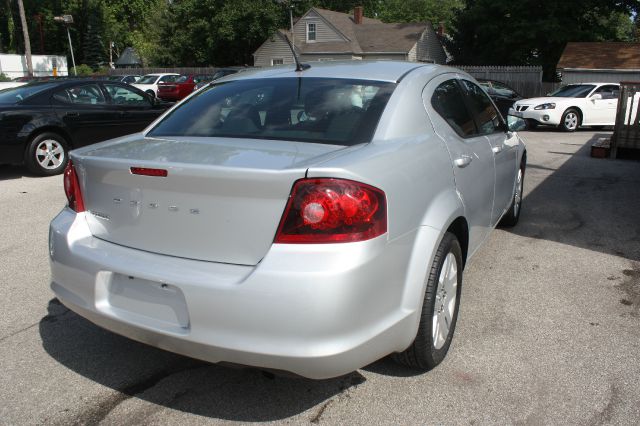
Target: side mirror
(596, 97)
(515, 123)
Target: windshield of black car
(148, 79)
(318, 110)
(16, 94)
(573, 91)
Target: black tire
(47, 154)
(424, 354)
(151, 93)
(512, 216)
(571, 120)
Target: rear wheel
(439, 308)
(151, 93)
(46, 154)
(512, 216)
(570, 120)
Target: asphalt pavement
(548, 333)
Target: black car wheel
(151, 93)
(47, 154)
(512, 216)
(439, 309)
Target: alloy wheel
(445, 303)
(49, 154)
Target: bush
(3, 77)
(102, 71)
(83, 70)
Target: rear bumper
(318, 311)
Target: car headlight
(546, 106)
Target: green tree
(504, 32)
(94, 49)
(216, 32)
(433, 11)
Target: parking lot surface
(548, 333)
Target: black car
(40, 122)
(503, 95)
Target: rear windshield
(16, 94)
(573, 91)
(319, 110)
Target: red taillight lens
(72, 188)
(325, 210)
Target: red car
(181, 87)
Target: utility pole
(27, 41)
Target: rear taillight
(325, 210)
(72, 188)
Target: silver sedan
(308, 221)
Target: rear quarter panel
(411, 164)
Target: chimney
(358, 13)
(440, 30)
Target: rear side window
(486, 115)
(448, 101)
(125, 96)
(318, 110)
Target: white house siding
(326, 57)
(324, 32)
(599, 76)
(429, 49)
(16, 65)
(413, 53)
(274, 48)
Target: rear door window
(126, 96)
(448, 101)
(487, 117)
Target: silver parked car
(310, 221)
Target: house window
(277, 61)
(311, 32)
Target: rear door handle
(497, 149)
(463, 161)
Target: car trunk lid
(222, 199)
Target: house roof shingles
(372, 35)
(600, 55)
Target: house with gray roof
(325, 35)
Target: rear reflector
(144, 171)
(325, 210)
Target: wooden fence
(526, 80)
(523, 79)
(626, 133)
(178, 70)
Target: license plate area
(143, 302)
